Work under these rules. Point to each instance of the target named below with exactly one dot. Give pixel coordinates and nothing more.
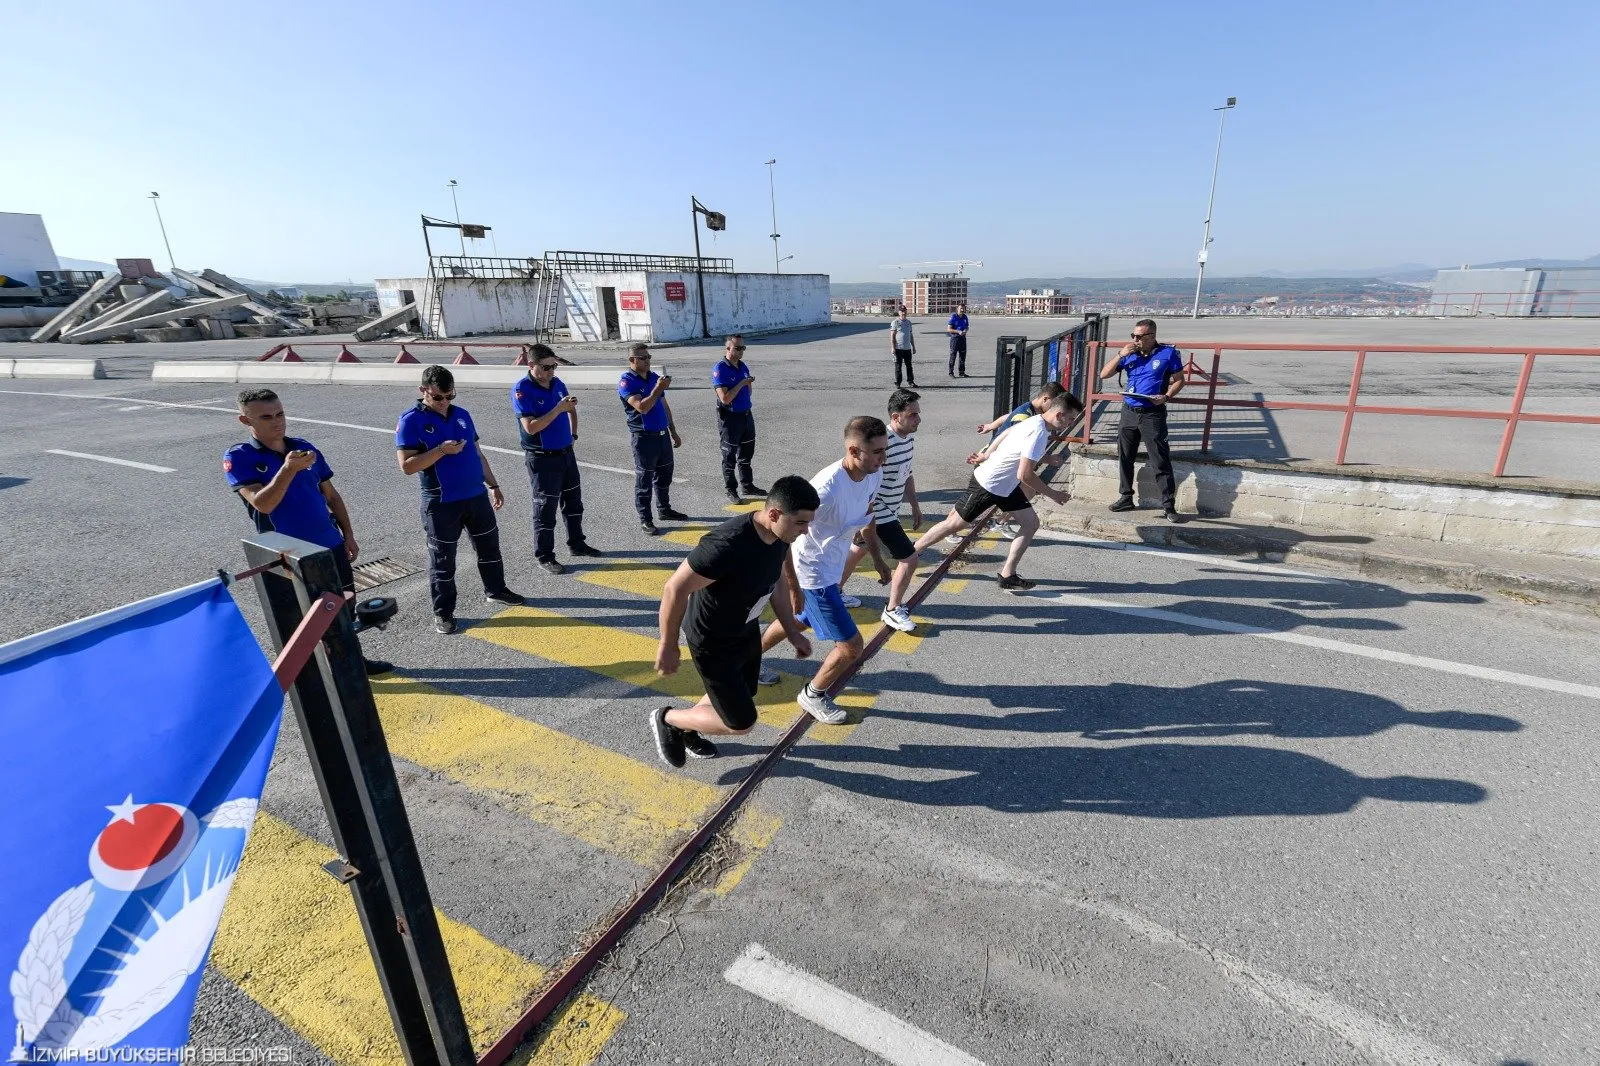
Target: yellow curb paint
(627, 575)
(609, 801)
(688, 534)
(743, 508)
(291, 941)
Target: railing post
(1513, 416)
(1211, 397)
(1350, 407)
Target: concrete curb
(480, 376)
(1289, 546)
(52, 368)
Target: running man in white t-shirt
(1006, 477)
(846, 489)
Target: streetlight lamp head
(771, 161)
(452, 181)
(155, 195)
(1232, 100)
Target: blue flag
(133, 747)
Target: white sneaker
(851, 602)
(899, 618)
(821, 707)
(768, 676)
(955, 538)
(1008, 529)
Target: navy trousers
(444, 523)
(1150, 425)
(554, 477)
(652, 469)
(958, 353)
(738, 432)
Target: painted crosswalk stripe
(620, 805)
(290, 939)
(111, 459)
(630, 657)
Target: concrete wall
(25, 247)
(1426, 509)
(1569, 292)
(736, 303)
(1516, 293)
(585, 315)
(472, 306)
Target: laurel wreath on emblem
(39, 983)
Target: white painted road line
(1483, 673)
(108, 459)
(1192, 557)
(839, 1012)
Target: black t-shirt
(743, 570)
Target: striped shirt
(896, 472)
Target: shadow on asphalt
(12, 482)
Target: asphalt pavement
(1166, 808)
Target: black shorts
(892, 535)
(978, 499)
(729, 672)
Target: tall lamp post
(155, 200)
(458, 218)
(772, 188)
(715, 221)
(1205, 243)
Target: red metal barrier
(403, 350)
(1555, 303)
(1351, 406)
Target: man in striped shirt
(905, 415)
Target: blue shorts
(827, 615)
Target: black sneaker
(734, 497)
(1017, 583)
(754, 490)
(1124, 503)
(650, 528)
(444, 624)
(377, 666)
(963, 374)
(672, 516)
(669, 738)
(585, 549)
(552, 567)
(505, 596)
(697, 746)
(1171, 514)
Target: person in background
(547, 424)
(733, 383)
(1155, 375)
(957, 328)
(903, 343)
(644, 402)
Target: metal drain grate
(380, 572)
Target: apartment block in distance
(933, 294)
(1038, 302)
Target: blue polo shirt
(725, 375)
(1019, 414)
(958, 321)
(302, 512)
(529, 399)
(453, 477)
(1149, 374)
(632, 384)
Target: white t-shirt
(820, 552)
(1026, 440)
(895, 472)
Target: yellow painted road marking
(629, 575)
(609, 801)
(290, 939)
(631, 658)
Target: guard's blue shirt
(632, 384)
(1149, 374)
(302, 512)
(1020, 414)
(529, 399)
(453, 477)
(958, 321)
(725, 376)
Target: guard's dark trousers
(554, 477)
(1149, 424)
(738, 432)
(902, 358)
(958, 353)
(444, 522)
(652, 468)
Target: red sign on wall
(676, 292)
(631, 301)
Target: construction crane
(960, 264)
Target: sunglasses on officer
(1142, 336)
(544, 366)
(439, 397)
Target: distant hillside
(1252, 287)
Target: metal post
(699, 275)
(777, 264)
(350, 760)
(1211, 398)
(459, 234)
(1513, 415)
(1350, 407)
(155, 200)
(1205, 242)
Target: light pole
(715, 221)
(458, 218)
(1205, 242)
(155, 200)
(772, 188)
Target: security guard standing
(733, 382)
(644, 402)
(438, 440)
(1155, 375)
(287, 487)
(547, 420)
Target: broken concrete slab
(253, 300)
(128, 325)
(113, 322)
(75, 312)
(384, 323)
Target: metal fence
(1022, 367)
(1356, 303)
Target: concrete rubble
(204, 306)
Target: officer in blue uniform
(287, 487)
(733, 383)
(957, 328)
(644, 403)
(438, 441)
(547, 420)
(1155, 375)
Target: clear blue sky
(299, 142)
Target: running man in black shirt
(722, 587)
